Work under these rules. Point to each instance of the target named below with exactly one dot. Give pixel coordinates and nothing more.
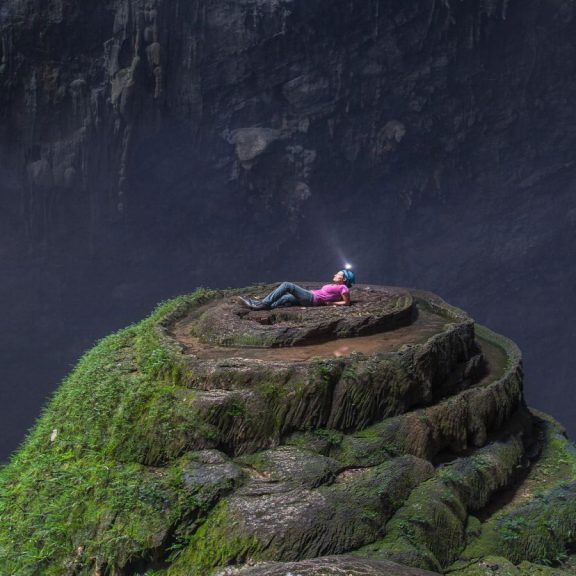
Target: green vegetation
(215, 543)
(539, 523)
(80, 492)
(430, 529)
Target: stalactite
(2, 53)
(377, 20)
(430, 18)
(470, 36)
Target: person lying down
(289, 294)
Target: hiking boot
(257, 305)
(253, 304)
(245, 302)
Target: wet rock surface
(254, 402)
(329, 566)
(299, 523)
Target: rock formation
(388, 437)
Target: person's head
(345, 276)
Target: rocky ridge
(390, 437)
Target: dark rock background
(150, 147)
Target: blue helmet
(349, 275)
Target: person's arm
(345, 300)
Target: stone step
(379, 390)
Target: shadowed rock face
(165, 454)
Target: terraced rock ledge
(388, 437)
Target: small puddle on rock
(425, 325)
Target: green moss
(83, 512)
(332, 437)
(361, 451)
(492, 565)
(540, 531)
(530, 569)
(77, 493)
(539, 523)
(272, 391)
(499, 566)
(308, 441)
(473, 528)
(432, 519)
(431, 527)
(403, 550)
(215, 544)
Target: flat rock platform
(374, 309)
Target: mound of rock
(388, 437)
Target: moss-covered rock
(281, 521)
(164, 454)
(457, 422)
(292, 464)
(538, 524)
(500, 566)
(431, 528)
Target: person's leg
(301, 296)
(277, 293)
(286, 300)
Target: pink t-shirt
(330, 293)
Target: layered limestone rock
(388, 437)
